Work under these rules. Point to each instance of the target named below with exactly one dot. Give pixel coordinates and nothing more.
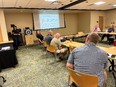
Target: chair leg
(46, 56)
(55, 57)
(114, 77)
(69, 81)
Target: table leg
(112, 65)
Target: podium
(29, 39)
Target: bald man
(57, 43)
(89, 59)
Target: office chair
(82, 79)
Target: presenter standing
(16, 35)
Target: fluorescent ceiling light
(114, 5)
(99, 3)
(50, 0)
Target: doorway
(101, 22)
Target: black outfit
(16, 38)
(107, 35)
(40, 36)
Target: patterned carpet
(35, 70)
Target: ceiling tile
(0, 3)
(22, 3)
(9, 3)
(88, 4)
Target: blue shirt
(89, 59)
(110, 30)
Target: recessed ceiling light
(56, 2)
(114, 5)
(50, 0)
(99, 3)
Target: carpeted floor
(35, 70)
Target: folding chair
(45, 44)
(82, 79)
(71, 48)
(52, 49)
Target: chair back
(51, 49)
(71, 48)
(45, 44)
(82, 79)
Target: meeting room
(57, 43)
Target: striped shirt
(89, 59)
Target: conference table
(108, 33)
(80, 35)
(112, 56)
(111, 33)
(74, 36)
(72, 43)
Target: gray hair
(93, 37)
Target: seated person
(96, 29)
(110, 29)
(39, 36)
(49, 37)
(90, 59)
(57, 43)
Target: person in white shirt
(96, 29)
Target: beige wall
(23, 20)
(110, 17)
(95, 17)
(88, 20)
(1, 36)
(84, 22)
(3, 27)
(75, 22)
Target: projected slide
(49, 21)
